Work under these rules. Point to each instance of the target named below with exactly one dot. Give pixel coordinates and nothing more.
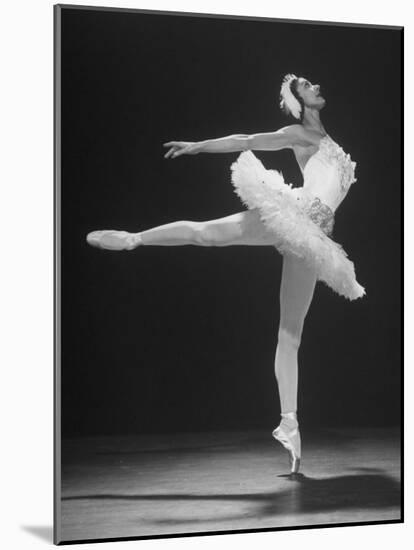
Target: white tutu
(300, 222)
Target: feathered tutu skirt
(302, 223)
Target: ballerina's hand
(178, 148)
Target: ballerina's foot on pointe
(287, 433)
(110, 239)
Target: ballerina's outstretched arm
(285, 138)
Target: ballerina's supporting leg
(296, 292)
(243, 228)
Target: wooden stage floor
(135, 486)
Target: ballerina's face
(310, 93)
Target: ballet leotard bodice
(329, 173)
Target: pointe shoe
(110, 239)
(290, 439)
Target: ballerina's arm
(285, 138)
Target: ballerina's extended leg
(243, 228)
(296, 292)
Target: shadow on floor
(369, 489)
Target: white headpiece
(288, 98)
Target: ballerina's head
(297, 94)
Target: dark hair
(292, 85)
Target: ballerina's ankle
(289, 420)
(138, 239)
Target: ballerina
(298, 222)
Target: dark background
(170, 339)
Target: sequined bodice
(329, 173)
